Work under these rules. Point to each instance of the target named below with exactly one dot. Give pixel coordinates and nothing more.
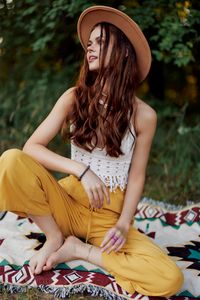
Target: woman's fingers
(91, 198)
(117, 245)
(103, 194)
(99, 193)
(106, 194)
(113, 244)
(113, 241)
(95, 189)
(109, 244)
(99, 189)
(120, 245)
(96, 199)
(107, 237)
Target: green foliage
(171, 27)
(22, 109)
(174, 169)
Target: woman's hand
(115, 238)
(95, 189)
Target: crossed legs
(57, 250)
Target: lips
(92, 58)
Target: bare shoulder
(145, 117)
(68, 97)
(145, 111)
(64, 104)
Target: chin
(92, 68)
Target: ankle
(57, 237)
(77, 251)
(89, 253)
(80, 249)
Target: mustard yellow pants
(26, 187)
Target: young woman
(111, 132)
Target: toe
(48, 266)
(39, 268)
(32, 265)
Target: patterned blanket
(175, 229)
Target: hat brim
(97, 14)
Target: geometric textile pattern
(175, 229)
(188, 253)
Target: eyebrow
(97, 38)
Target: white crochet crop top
(113, 171)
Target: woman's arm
(36, 145)
(145, 121)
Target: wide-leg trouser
(26, 187)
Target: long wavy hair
(121, 78)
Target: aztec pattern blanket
(176, 230)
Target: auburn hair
(121, 79)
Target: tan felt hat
(97, 14)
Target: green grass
(34, 294)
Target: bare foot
(67, 252)
(38, 261)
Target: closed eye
(89, 43)
(98, 40)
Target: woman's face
(93, 48)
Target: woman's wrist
(123, 223)
(78, 168)
(83, 173)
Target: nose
(91, 48)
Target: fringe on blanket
(63, 292)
